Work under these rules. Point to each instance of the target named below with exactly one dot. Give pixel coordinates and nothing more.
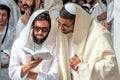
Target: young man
(88, 46)
(29, 6)
(20, 5)
(7, 38)
(15, 11)
(38, 35)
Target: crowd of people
(77, 34)
(100, 10)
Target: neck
(39, 42)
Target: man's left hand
(74, 62)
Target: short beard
(33, 7)
(36, 40)
(22, 12)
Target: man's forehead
(26, 0)
(63, 20)
(1, 10)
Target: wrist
(32, 75)
(26, 68)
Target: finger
(76, 57)
(32, 58)
(72, 60)
(39, 59)
(36, 63)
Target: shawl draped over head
(26, 36)
(53, 4)
(93, 45)
(15, 11)
(20, 57)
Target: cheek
(88, 1)
(71, 28)
(5, 18)
(45, 34)
(34, 32)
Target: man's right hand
(27, 67)
(26, 16)
(34, 62)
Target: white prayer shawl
(6, 46)
(93, 44)
(102, 5)
(96, 10)
(53, 6)
(110, 11)
(15, 11)
(47, 70)
(110, 17)
(19, 27)
(108, 1)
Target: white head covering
(108, 1)
(87, 5)
(70, 8)
(15, 11)
(53, 4)
(26, 36)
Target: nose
(60, 26)
(40, 31)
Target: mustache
(39, 35)
(26, 6)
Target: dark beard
(22, 12)
(33, 7)
(38, 41)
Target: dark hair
(6, 8)
(104, 1)
(76, 1)
(16, 1)
(43, 16)
(65, 1)
(66, 15)
(85, 7)
(33, 6)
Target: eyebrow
(40, 26)
(61, 23)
